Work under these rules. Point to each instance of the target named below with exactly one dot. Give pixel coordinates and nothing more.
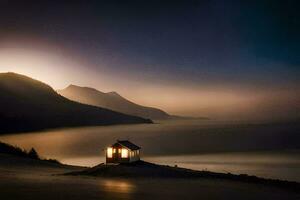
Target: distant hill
(27, 104)
(111, 100)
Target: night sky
(222, 59)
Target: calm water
(200, 145)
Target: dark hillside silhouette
(33, 154)
(17, 151)
(12, 150)
(27, 104)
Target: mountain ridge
(29, 104)
(111, 100)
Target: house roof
(128, 144)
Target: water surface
(263, 150)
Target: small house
(123, 151)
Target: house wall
(134, 156)
(117, 158)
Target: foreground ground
(23, 178)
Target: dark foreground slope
(27, 179)
(14, 158)
(142, 169)
(111, 100)
(27, 104)
(21, 153)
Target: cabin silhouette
(123, 151)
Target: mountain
(111, 100)
(27, 104)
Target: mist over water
(269, 150)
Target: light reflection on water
(118, 186)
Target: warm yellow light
(124, 153)
(109, 152)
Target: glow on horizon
(59, 71)
(44, 66)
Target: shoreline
(36, 179)
(146, 170)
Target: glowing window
(109, 152)
(114, 150)
(124, 153)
